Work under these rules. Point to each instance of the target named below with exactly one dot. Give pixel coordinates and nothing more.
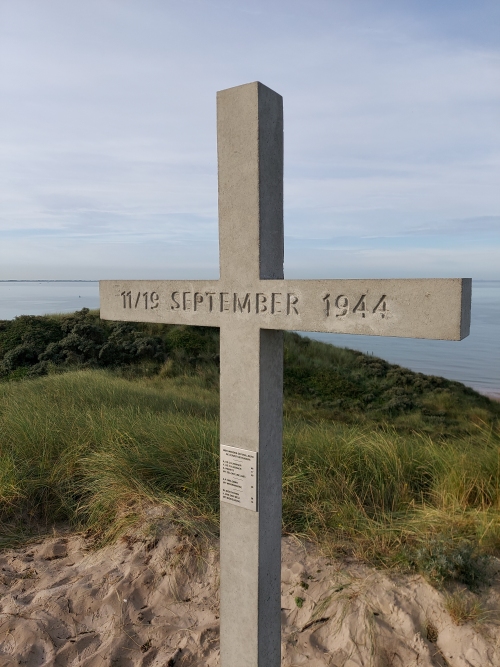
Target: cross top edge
(250, 171)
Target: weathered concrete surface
(252, 304)
(251, 418)
(250, 165)
(406, 308)
(250, 150)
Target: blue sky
(108, 148)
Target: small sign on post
(238, 477)
(252, 304)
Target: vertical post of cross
(250, 164)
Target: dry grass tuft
(463, 607)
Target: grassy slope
(396, 467)
(321, 381)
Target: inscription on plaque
(238, 477)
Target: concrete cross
(252, 304)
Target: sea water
(46, 296)
(474, 361)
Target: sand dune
(153, 602)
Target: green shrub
(442, 559)
(320, 381)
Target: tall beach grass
(96, 450)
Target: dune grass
(321, 382)
(96, 450)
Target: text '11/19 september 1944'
(373, 307)
(338, 305)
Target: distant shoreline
(474, 364)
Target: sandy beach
(152, 601)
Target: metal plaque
(238, 477)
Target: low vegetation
(101, 421)
(465, 608)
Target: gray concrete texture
(252, 304)
(407, 308)
(250, 159)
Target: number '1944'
(341, 305)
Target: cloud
(107, 126)
(350, 261)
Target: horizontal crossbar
(408, 308)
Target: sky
(108, 162)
